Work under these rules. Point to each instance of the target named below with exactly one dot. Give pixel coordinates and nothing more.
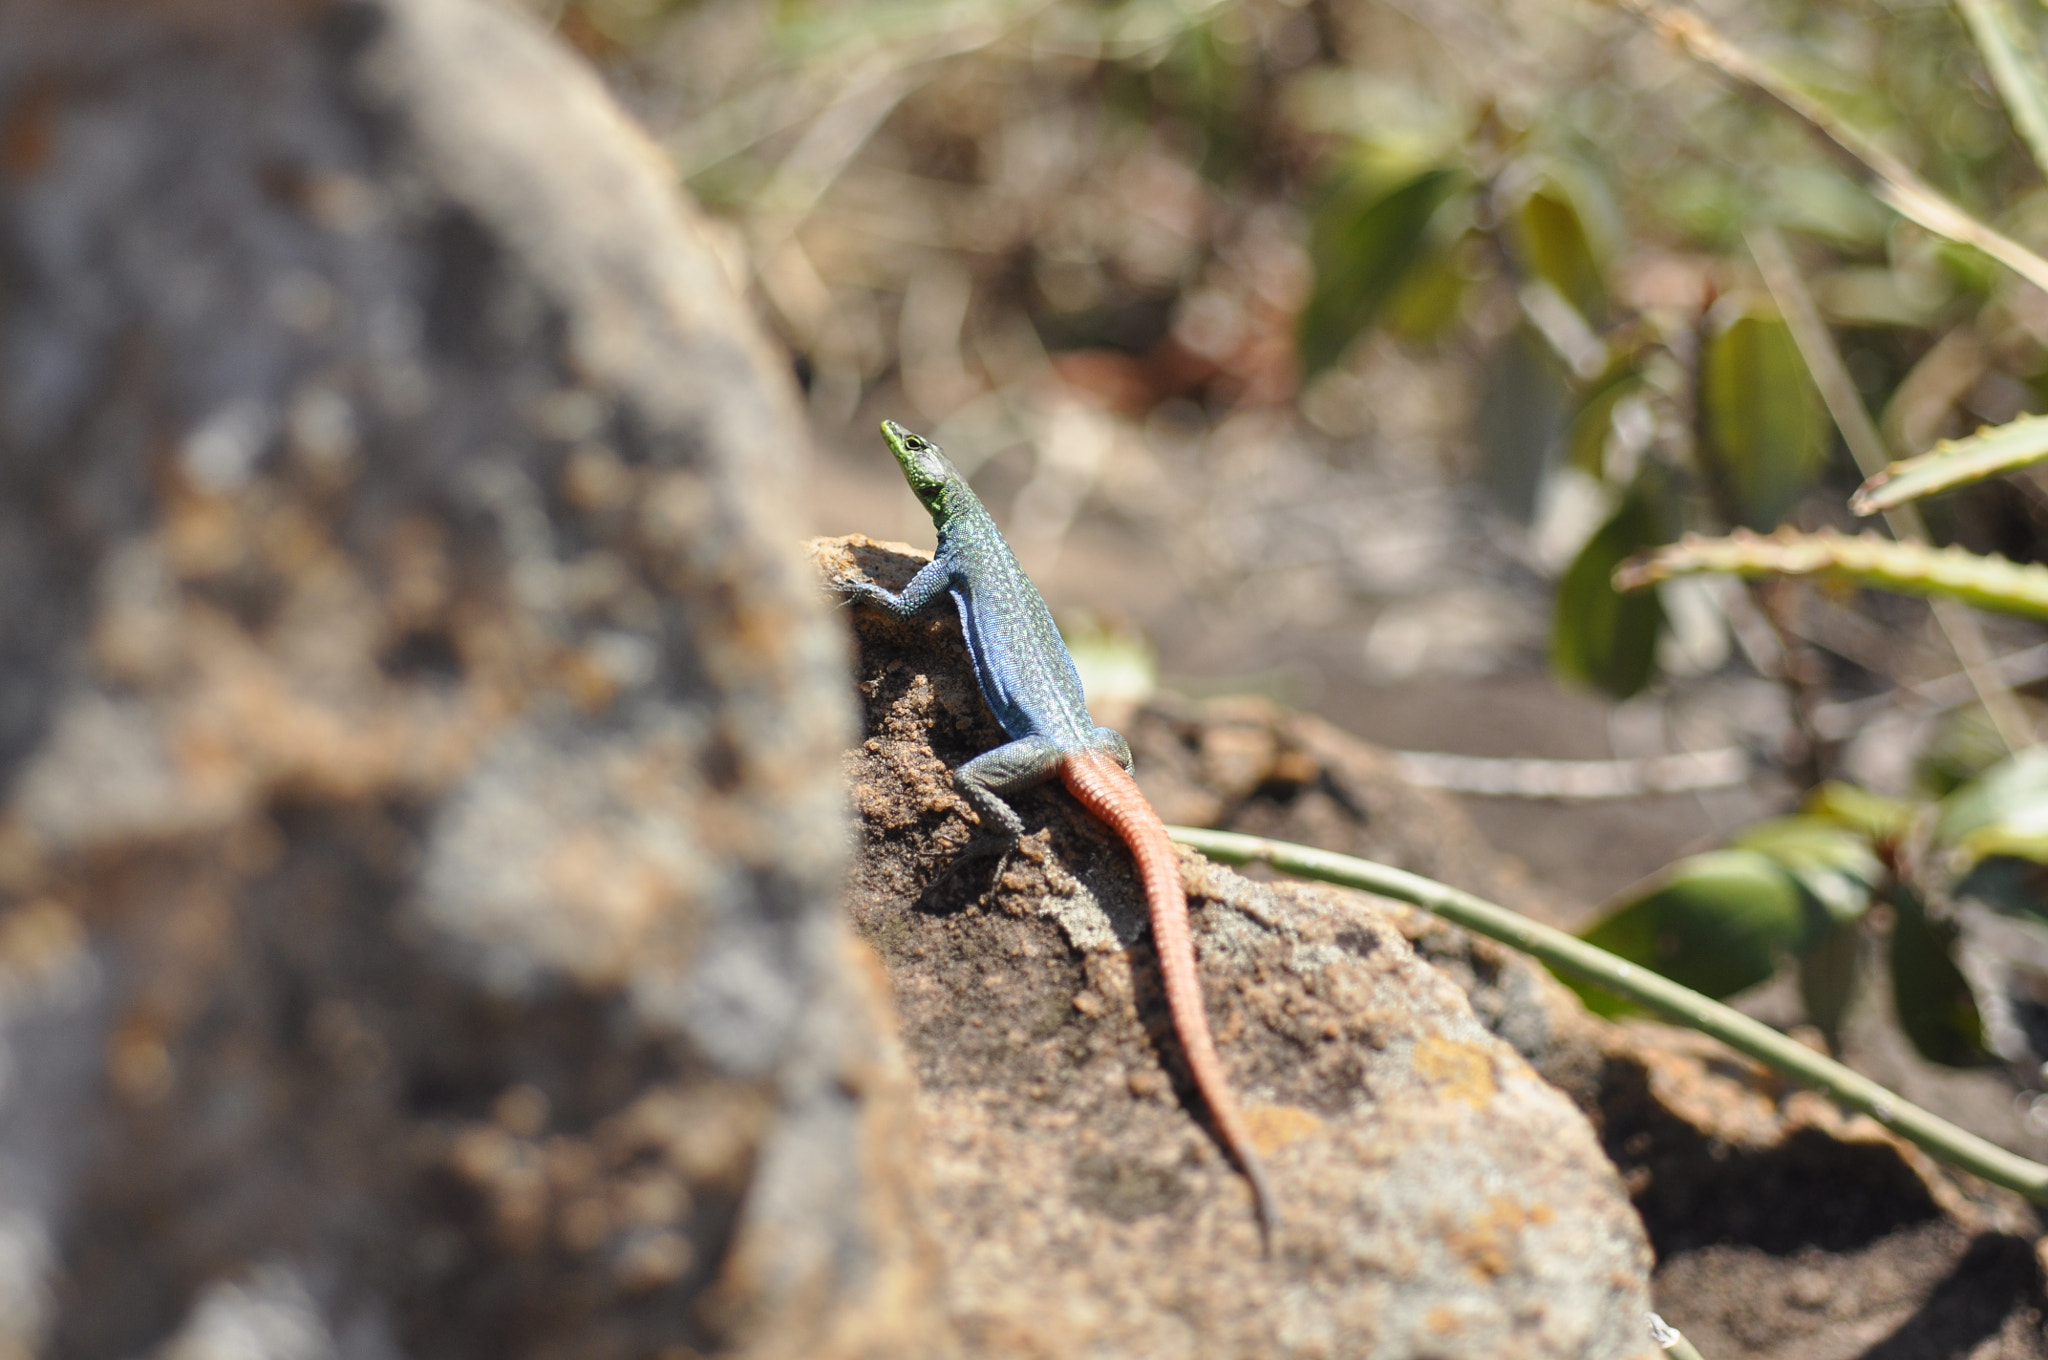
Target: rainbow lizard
(1028, 678)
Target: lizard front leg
(924, 588)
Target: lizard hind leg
(986, 782)
(1111, 743)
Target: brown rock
(1786, 1228)
(1782, 1227)
(1440, 1199)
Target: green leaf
(2011, 885)
(1553, 244)
(1872, 816)
(1586, 439)
(1599, 637)
(1933, 1000)
(2015, 789)
(1862, 560)
(1829, 973)
(1954, 462)
(1716, 923)
(1766, 431)
(1521, 410)
(1837, 869)
(1838, 874)
(1430, 298)
(2002, 812)
(2005, 842)
(1364, 241)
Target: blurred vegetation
(1687, 273)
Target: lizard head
(925, 466)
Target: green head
(926, 467)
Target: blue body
(1020, 660)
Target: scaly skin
(1108, 791)
(1027, 676)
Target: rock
(420, 842)
(1439, 1198)
(1782, 1228)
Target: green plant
(1709, 412)
(1705, 424)
(1984, 842)
(1806, 890)
(1803, 888)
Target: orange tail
(1112, 795)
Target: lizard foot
(980, 848)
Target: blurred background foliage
(1345, 350)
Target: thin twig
(1939, 695)
(1867, 446)
(1851, 1090)
(1522, 777)
(1891, 179)
(1671, 1341)
(1682, 1349)
(1802, 673)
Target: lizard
(1028, 679)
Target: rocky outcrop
(1439, 1198)
(421, 839)
(1781, 1227)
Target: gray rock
(419, 831)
